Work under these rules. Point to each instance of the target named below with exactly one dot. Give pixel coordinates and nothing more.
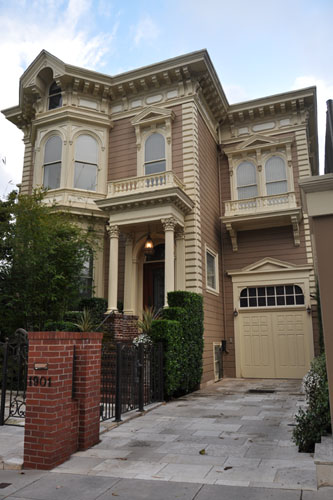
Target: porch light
(148, 249)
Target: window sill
(212, 291)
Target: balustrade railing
(144, 184)
(260, 204)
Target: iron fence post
(161, 391)
(4, 383)
(141, 377)
(118, 383)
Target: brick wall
(58, 424)
(121, 327)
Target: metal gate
(13, 377)
(131, 378)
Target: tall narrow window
(246, 181)
(55, 97)
(211, 271)
(87, 277)
(52, 162)
(276, 178)
(86, 160)
(155, 154)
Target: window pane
(247, 192)
(270, 290)
(86, 149)
(155, 147)
(155, 168)
(261, 292)
(53, 149)
(252, 292)
(289, 289)
(276, 188)
(52, 176)
(55, 99)
(243, 302)
(280, 301)
(211, 278)
(246, 174)
(299, 299)
(280, 290)
(271, 301)
(298, 289)
(262, 301)
(85, 176)
(253, 302)
(290, 300)
(243, 292)
(275, 169)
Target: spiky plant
(86, 323)
(149, 314)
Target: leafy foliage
(86, 322)
(149, 314)
(314, 421)
(59, 326)
(42, 254)
(97, 307)
(181, 331)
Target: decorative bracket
(295, 224)
(233, 236)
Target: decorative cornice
(169, 224)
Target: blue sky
(258, 48)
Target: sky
(258, 48)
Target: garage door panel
(256, 346)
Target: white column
(180, 260)
(128, 281)
(169, 269)
(113, 268)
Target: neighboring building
(158, 153)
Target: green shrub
(170, 334)
(183, 347)
(191, 319)
(97, 307)
(59, 326)
(72, 316)
(314, 420)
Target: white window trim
(214, 291)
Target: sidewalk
(220, 442)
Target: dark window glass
(280, 290)
(252, 292)
(270, 290)
(271, 301)
(261, 292)
(280, 301)
(243, 302)
(55, 97)
(244, 292)
(298, 289)
(253, 302)
(262, 301)
(289, 290)
(290, 300)
(299, 299)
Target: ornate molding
(113, 231)
(180, 234)
(295, 224)
(233, 236)
(169, 224)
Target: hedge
(59, 326)
(183, 349)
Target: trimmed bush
(314, 421)
(60, 326)
(72, 316)
(170, 334)
(183, 347)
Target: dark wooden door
(153, 285)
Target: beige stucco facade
(212, 240)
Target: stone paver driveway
(236, 432)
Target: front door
(153, 285)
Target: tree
(42, 254)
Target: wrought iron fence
(131, 378)
(13, 381)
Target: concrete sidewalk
(214, 443)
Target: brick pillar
(122, 327)
(58, 422)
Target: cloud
(324, 92)
(145, 30)
(62, 31)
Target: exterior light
(235, 313)
(148, 249)
(308, 309)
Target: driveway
(235, 432)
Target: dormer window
(155, 154)
(52, 162)
(276, 176)
(55, 96)
(86, 162)
(246, 181)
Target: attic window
(55, 96)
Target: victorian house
(157, 157)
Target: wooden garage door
(274, 344)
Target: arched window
(155, 154)
(276, 177)
(86, 160)
(246, 180)
(55, 97)
(272, 296)
(52, 162)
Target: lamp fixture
(309, 310)
(235, 313)
(148, 249)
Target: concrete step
(323, 460)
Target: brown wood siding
(211, 236)
(177, 143)
(122, 151)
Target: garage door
(273, 340)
